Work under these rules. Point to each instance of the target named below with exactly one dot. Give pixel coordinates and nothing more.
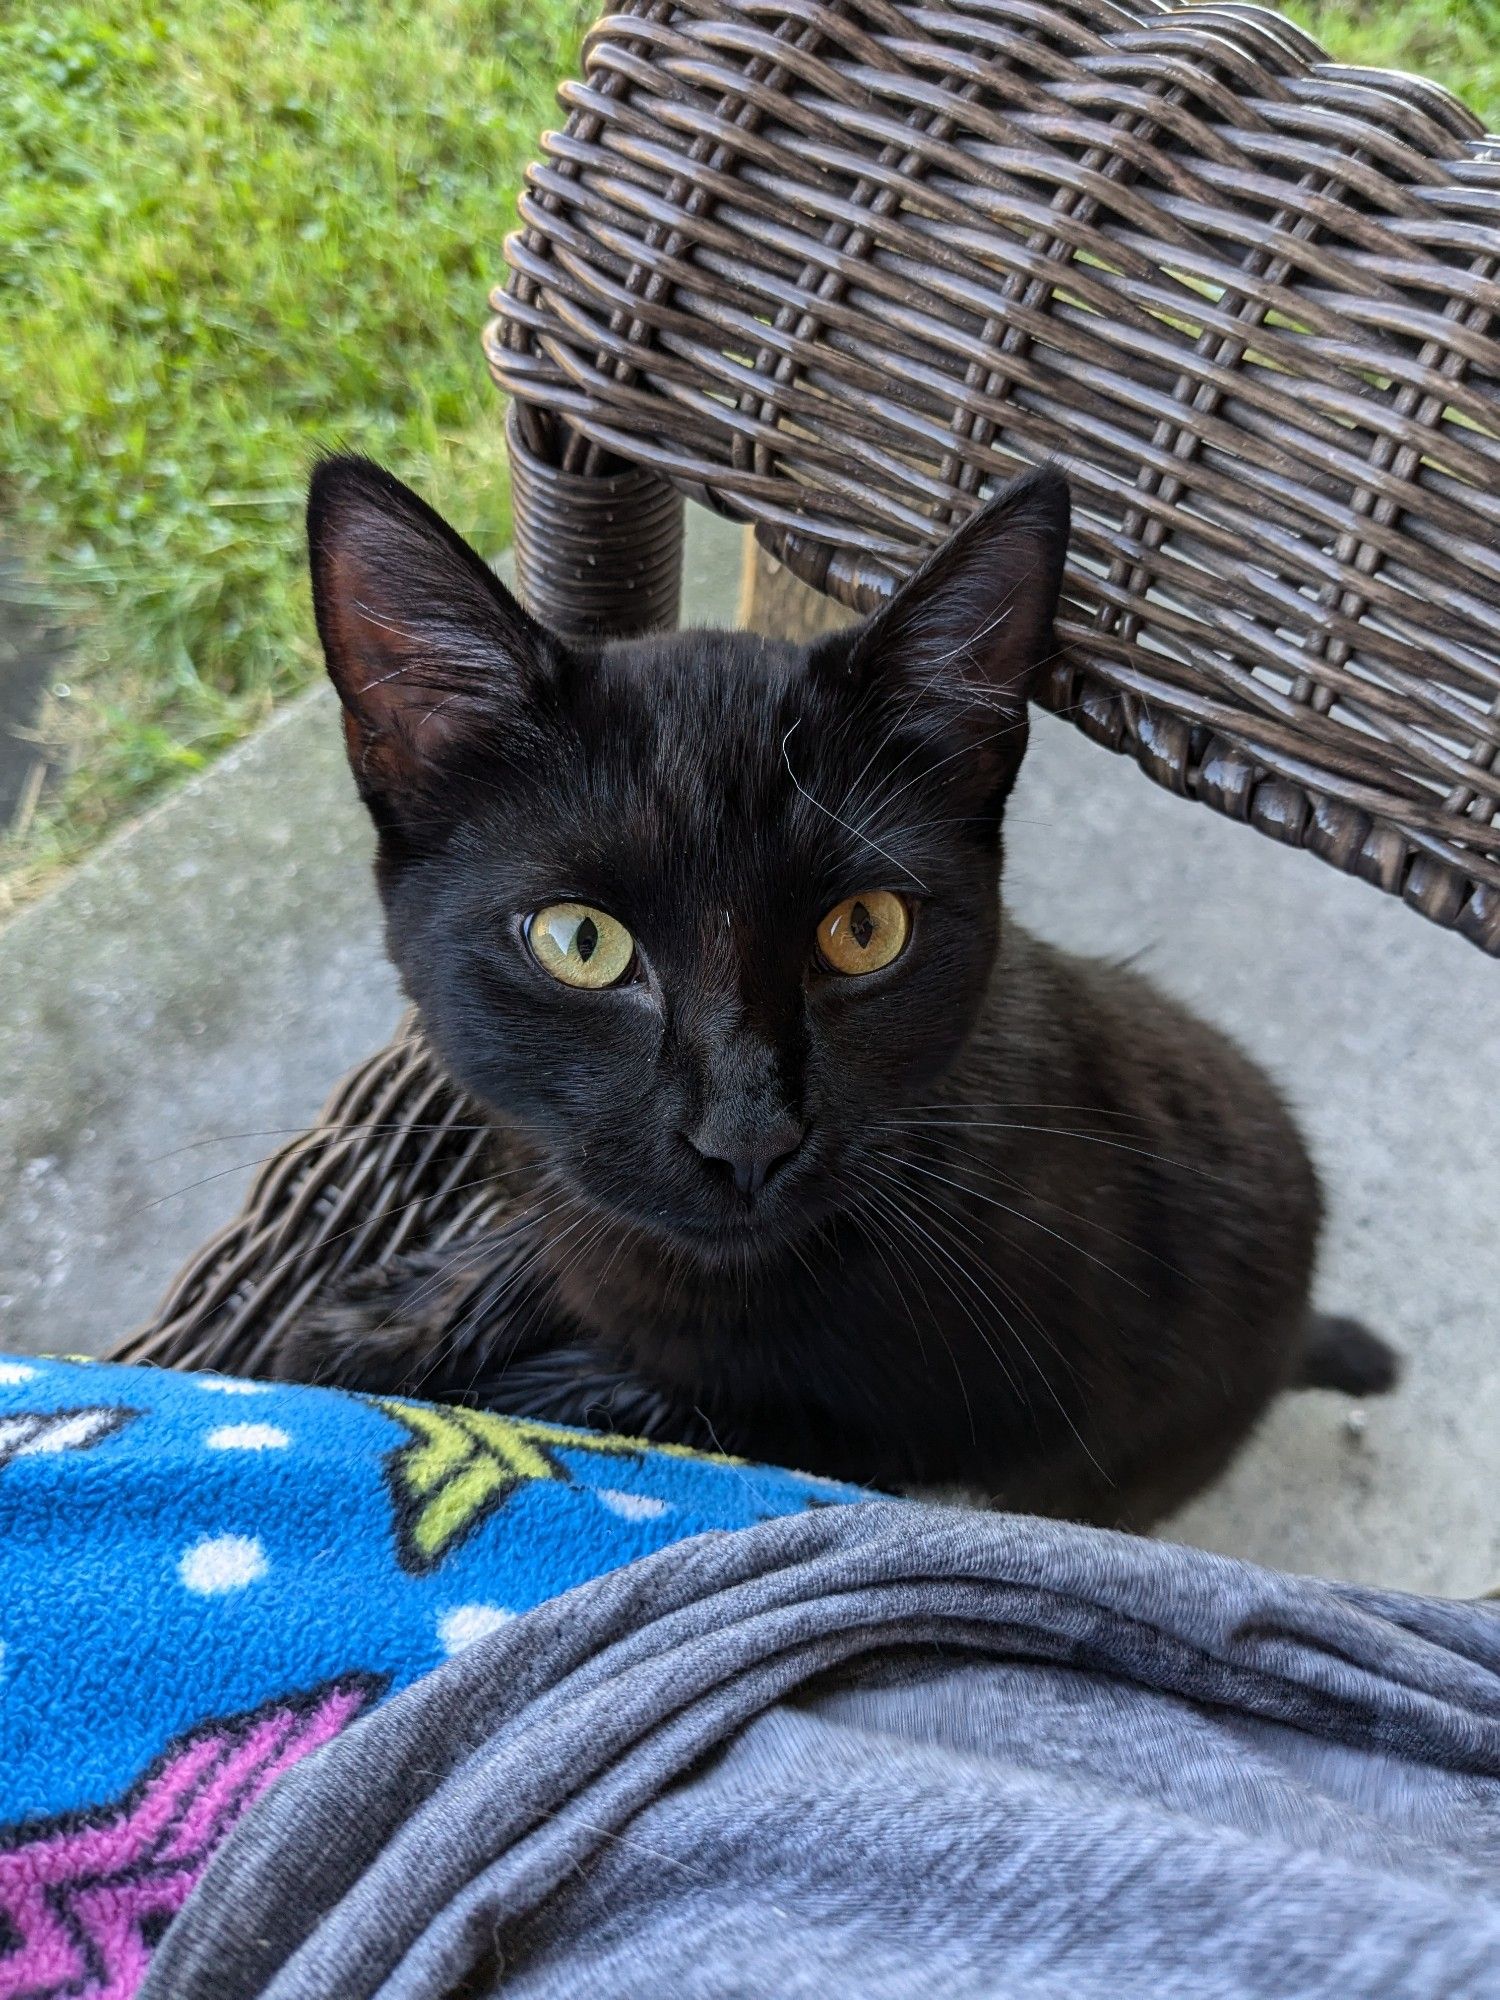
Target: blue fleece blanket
(204, 1579)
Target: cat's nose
(751, 1158)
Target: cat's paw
(383, 1331)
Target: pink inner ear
(393, 711)
(425, 647)
(365, 651)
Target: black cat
(816, 1156)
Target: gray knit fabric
(896, 1752)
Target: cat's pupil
(862, 926)
(585, 938)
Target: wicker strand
(837, 266)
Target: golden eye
(864, 932)
(580, 946)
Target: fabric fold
(445, 1829)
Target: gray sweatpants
(900, 1753)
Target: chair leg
(780, 605)
(596, 556)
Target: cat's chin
(724, 1243)
(720, 1244)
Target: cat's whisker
(246, 1166)
(885, 800)
(981, 1291)
(893, 1217)
(955, 1226)
(912, 826)
(297, 1131)
(858, 833)
(900, 1160)
(938, 1248)
(801, 1256)
(1020, 1215)
(559, 1270)
(1018, 1248)
(856, 1215)
(893, 727)
(494, 1290)
(275, 1269)
(534, 1261)
(946, 1224)
(545, 1255)
(1012, 1104)
(875, 803)
(979, 1286)
(1060, 1132)
(602, 1278)
(987, 1170)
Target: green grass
(233, 232)
(1456, 42)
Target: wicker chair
(831, 266)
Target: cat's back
(1125, 1089)
(1124, 1040)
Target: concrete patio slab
(190, 995)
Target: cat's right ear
(428, 650)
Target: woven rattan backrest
(833, 268)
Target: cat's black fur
(1025, 1225)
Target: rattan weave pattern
(398, 1160)
(834, 265)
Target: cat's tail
(1343, 1354)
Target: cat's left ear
(967, 639)
(428, 650)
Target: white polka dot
(227, 1562)
(247, 1437)
(221, 1385)
(15, 1371)
(631, 1506)
(467, 1622)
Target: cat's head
(694, 911)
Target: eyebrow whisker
(830, 814)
